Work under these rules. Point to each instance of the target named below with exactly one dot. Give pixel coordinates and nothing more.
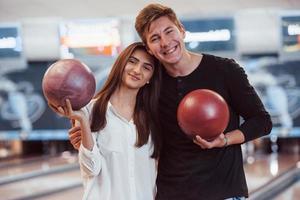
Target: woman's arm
(89, 155)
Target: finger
(61, 110)
(75, 137)
(222, 136)
(203, 142)
(77, 145)
(75, 133)
(69, 106)
(75, 140)
(52, 107)
(56, 110)
(74, 129)
(199, 139)
(199, 144)
(72, 122)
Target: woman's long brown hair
(146, 109)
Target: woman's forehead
(143, 55)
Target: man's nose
(164, 41)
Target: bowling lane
(8, 162)
(39, 186)
(259, 169)
(264, 167)
(74, 194)
(291, 193)
(16, 167)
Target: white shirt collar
(111, 108)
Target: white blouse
(115, 169)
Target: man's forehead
(159, 24)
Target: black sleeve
(246, 103)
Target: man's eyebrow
(154, 35)
(169, 27)
(166, 29)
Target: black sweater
(187, 172)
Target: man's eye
(154, 39)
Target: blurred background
(36, 158)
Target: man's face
(165, 41)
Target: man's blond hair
(149, 14)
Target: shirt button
(179, 80)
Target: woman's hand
(78, 134)
(68, 112)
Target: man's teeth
(170, 50)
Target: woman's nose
(137, 69)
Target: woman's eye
(131, 61)
(148, 68)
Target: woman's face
(138, 70)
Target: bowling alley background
(272, 63)
(262, 36)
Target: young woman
(119, 133)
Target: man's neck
(187, 64)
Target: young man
(198, 169)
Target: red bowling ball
(69, 79)
(203, 112)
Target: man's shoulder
(220, 64)
(219, 60)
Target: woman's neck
(123, 101)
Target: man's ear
(182, 30)
(184, 33)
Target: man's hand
(220, 141)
